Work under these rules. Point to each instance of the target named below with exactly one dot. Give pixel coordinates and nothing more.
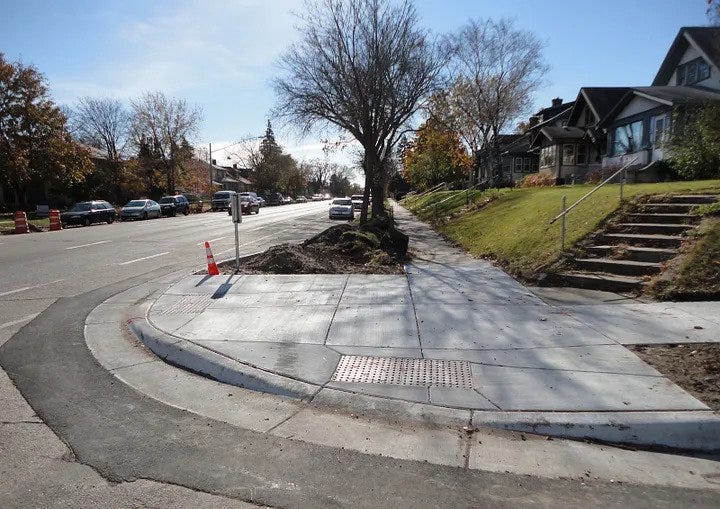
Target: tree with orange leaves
(436, 155)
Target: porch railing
(565, 210)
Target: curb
(679, 431)
(196, 359)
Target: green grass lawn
(698, 273)
(513, 225)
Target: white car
(357, 201)
(342, 208)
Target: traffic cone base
(212, 266)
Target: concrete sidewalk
(454, 332)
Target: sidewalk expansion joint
(337, 306)
(417, 323)
(489, 401)
(270, 431)
(136, 364)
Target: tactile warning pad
(187, 304)
(403, 371)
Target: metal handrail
(566, 210)
(434, 188)
(435, 204)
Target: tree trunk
(366, 199)
(19, 196)
(378, 199)
(370, 168)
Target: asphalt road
(38, 268)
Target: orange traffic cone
(21, 223)
(55, 223)
(212, 266)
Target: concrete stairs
(619, 258)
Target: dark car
(275, 199)
(88, 212)
(173, 205)
(192, 198)
(221, 200)
(248, 204)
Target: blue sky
(220, 54)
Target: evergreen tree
(269, 148)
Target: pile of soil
(693, 366)
(374, 248)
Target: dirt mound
(283, 259)
(376, 248)
(330, 236)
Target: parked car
(248, 205)
(317, 197)
(357, 201)
(192, 198)
(253, 194)
(300, 199)
(173, 205)
(140, 209)
(342, 208)
(287, 200)
(275, 199)
(88, 212)
(221, 200)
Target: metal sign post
(236, 209)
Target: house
(638, 125)
(549, 134)
(229, 178)
(573, 143)
(515, 159)
(517, 156)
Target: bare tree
(166, 125)
(364, 67)
(496, 69)
(101, 123)
(713, 12)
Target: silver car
(140, 209)
(342, 208)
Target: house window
(627, 138)
(518, 165)
(527, 165)
(659, 126)
(568, 153)
(703, 70)
(692, 72)
(581, 156)
(547, 156)
(680, 75)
